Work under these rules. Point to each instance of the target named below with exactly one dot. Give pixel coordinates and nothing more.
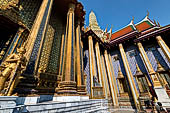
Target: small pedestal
(66, 88)
(98, 93)
(81, 90)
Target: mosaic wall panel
(29, 11)
(47, 46)
(155, 52)
(4, 3)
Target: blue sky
(120, 12)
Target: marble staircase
(85, 106)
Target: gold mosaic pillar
(164, 47)
(29, 45)
(106, 85)
(91, 64)
(112, 70)
(68, 84)
(111, 80)
(129, 76)
(149, 67)
(99, 66)
(80, 86)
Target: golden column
(29, 45)
(99, 67)
(68, 84)
(106, 85)
(112, 70)
(80, 86)
(164, 47)
(129, 76)
(148, 65)
(91, 64)
(111, 80)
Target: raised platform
(83, 105)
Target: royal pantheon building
(45, 50)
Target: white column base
(70, 98)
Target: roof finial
(133, 19)
(147, 13)
(154, 22)
(110, 35)
(106, 28)
(158, 24)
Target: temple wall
(118, 63)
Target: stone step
(97, 110)
(65, 107)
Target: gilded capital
(159, 38)
(120, 46)
(90, 37)
(71, 8)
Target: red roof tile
(121, 32)
(143, 26)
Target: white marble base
(34, 100)
(162, 96)
(70, 98)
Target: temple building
(131, 64)
(46, 54)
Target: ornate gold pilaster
(149, 67)
(111, 82)
(80, 85)
(99, 67)
(164, 47)
(68, 84)
(129, 76)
